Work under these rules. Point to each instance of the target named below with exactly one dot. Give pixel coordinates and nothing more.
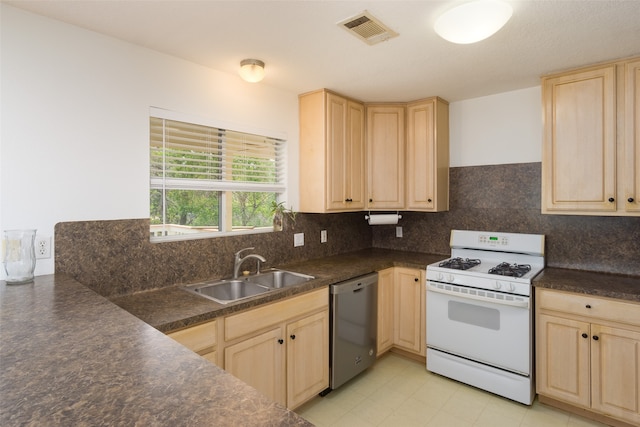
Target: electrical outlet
(298, 239)
(43, 247)
(323, 236)
(398, 231)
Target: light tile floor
(401, 393)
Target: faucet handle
(242, 250)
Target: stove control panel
(487, 239)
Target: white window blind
(190, 156)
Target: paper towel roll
(383, 219)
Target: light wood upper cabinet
(588, 353)
(331, 153)
(631, 157)
(385, 156)
(427, 176)
(590, 155)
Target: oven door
(485, 326)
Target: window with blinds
(207, 180)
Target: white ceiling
(304, 49)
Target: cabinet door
(631, 162)
(385, 310)
(562, 355)
(579, 148)
(259, 361)
(337, 152)
(355, 175)
(385, 157)
(615, 373)
(427, 160)
(307, 358)
(408, 319)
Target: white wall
(75, 121)
(74, 109)
(497, 129)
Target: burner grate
(513, 270)
(459, 263)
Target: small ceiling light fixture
(473, 21)
(252, 70)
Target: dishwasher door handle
(358, 290)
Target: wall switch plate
(298, 239)
(43, 247)
(323, 236)
(398, 231)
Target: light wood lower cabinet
(201, 339)
(588, 353)
(385, 310)
(281, 349)
(408, 306)
(401, 310)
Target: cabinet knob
(280, 341)
(584, 335)
(630, 200)
(370, 200)
(429, 200)
(595, 338)
(293, 337)
(416, 279)
(611, 200)
(588, 306)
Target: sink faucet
(238, 261)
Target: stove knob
(512, 287)
(498, 285)
(440, 277)
(451, 278)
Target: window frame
(279, 189)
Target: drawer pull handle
(588, 305)
(280, 341)
(595, 338)
(585, 335)
(293, 337)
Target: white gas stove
(479, 311)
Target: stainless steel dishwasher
(354, 315)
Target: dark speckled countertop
(172, 308)
(69, 357)
(592, 283)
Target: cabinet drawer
(197, 338)
(238, 325)
(589, 306)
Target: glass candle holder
(19, 256)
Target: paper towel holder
(381, 219)
(366, 217)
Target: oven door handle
(433, 288)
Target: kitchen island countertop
(69, 357)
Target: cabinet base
(582, 412)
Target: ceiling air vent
(367, 28)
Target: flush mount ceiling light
(473, 21)
(252, 70)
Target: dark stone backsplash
(117, 258)
(507, 198)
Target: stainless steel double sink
(231, 290)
